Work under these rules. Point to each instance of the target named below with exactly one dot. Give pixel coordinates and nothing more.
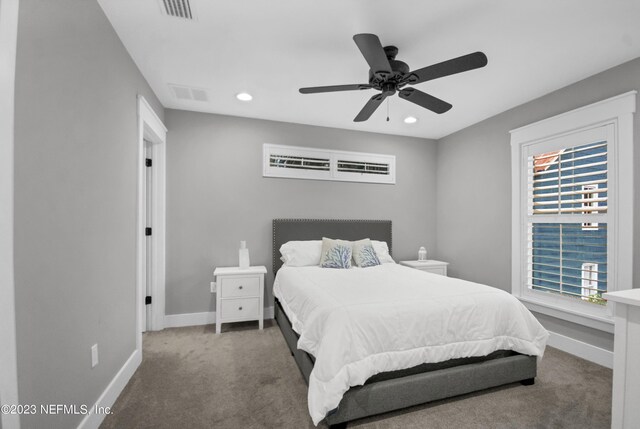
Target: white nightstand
(430, 266)
(239, 295)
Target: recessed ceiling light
(244, 96)
(410, 120)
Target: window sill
(605, 324)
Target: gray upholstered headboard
(314, 229)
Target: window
(571, 202)
(320, 164)
(557, 246)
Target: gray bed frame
(397, 389)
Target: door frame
(151, 128)
(8, 352)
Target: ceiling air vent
(187, 93)
(177, 8)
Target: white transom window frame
(333, 158)
(616, 115)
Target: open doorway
(151, 221)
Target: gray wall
(474, 188)
(216, 196)
(75, 203)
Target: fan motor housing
(399, 69)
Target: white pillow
(301, 253)
(382, 252)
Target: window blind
(569, 181)
(567, 202)
(363, 167)
(299, 162)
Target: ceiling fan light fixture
(410, 120)
(244, 96)
(390, 77)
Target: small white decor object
(422, 254)
(243, 256)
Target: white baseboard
(189, 319)
(93, 420)
(197, 319)
(582, 350)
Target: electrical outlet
(94, 355)
(213, 287)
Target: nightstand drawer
(231, 287)
(435, 270)
(240, 309)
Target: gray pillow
(335, 253)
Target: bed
(383, 385)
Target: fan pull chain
(387, 110)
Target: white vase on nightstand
(243, 256)
(422, 254)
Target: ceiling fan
(388, 75)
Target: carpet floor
(246, 378)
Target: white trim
(108, 398)
(189, 319)
(581, 349)
(8, 356)
(578, 118)
(197, 319)
(595, 322)
(150, 127)
(617, 114)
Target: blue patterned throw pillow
(364, 255)
(335, 254)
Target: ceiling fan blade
(424, 100)
(371, 49)
(370, 107)
(334, 88)
(449, 67)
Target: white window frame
(616, 112)
(333, 156)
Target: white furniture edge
(629, 297)
(581, 349)
(93, 420)
(8, 353)
(618, 109)
(427, 263)
(151, 127)
(198, 319)
(622, 301)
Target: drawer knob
(240, 287)
(240, 308)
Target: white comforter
(361, 322)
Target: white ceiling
(272, 48)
